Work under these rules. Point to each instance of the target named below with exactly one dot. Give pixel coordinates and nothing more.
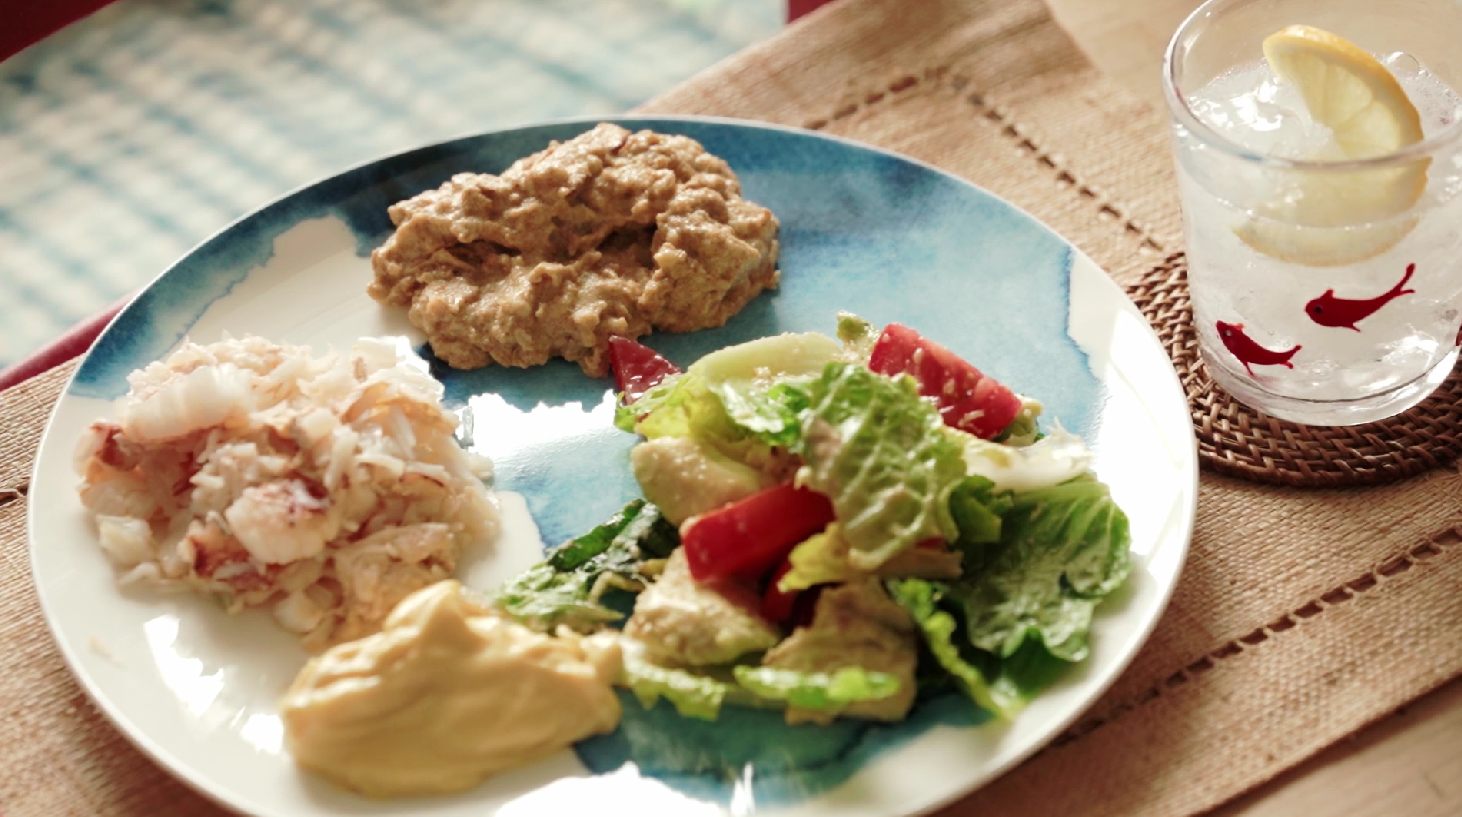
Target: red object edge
(24, 22)
(798, 8)
(75, 342)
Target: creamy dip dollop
(445, 695)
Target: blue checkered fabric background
(131, 136)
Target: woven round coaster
(1236, 440)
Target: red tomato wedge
(804, 608)
(794, 609)
(777, 604)
(749, 537)
(637, 368)
(967, 399)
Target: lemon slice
(1328, 218)
(1345, 89)
(1322, 246)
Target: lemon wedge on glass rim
(1327, 218)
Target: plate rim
(1182, 536)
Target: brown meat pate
(609, 233)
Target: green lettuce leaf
(692, 695)
(750, 389)
(976, 507)
(695, 695)
(566, 587)
(858, 335)
(671, 408)
(1025, 428)
(823, 558)
(880, 453)
(742, 420)
(542, 597)
(921, 599)
(1062, 548)
(768, 412)
(820, 691)
(635, 533)
(817, 560)
(1029, 671)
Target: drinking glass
(1326, 290)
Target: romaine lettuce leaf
(636, 533)
(542, 597)
(1029, 671)
(755, 383)
(767, 411)
(880, 453)
(817, 691)
(976, 507)
(687, 407)
(565, 588)
(823, 558)
(695, 695)
(739, 418)
(1025, 428)
(819, 559)
(921, 599)
(692, 695)
(1061, 549)
(671, 408)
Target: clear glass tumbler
(1322, 214)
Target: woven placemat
(1239, 441)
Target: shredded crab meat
(324, 489)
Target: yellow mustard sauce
(448, 693)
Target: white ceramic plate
(862, 230)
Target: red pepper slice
(967, 400)
(637, 368)
(749, 537)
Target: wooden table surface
(1409, 764)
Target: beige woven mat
(1301, 616)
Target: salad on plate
(830, 526)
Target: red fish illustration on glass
(1328, 310)
(1248, 351)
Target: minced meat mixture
(609, 233)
